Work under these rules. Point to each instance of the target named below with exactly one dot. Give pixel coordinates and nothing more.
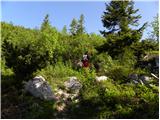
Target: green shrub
(57, 74)
(24, 60)
(5, 71)
(119, 69)
(109, 99)
(104, 63)
(127, 59)
(118, 73)
(27, 50)
(7, 77)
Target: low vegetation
(53, 54)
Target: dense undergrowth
(108, 99)
(53, 54)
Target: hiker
(85, 60)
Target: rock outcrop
(68, 95)
(73, 84)
(142, 79)
(39, 88)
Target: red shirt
(85, 63)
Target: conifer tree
(80, 27)
(119, 15)
(117, 19)
(73, 27)
(46, 23)
(155, 27)
(64, 30)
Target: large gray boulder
(73, 84)
(38, 87)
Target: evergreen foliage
(80, 27)
(118, 16)
(46, 24)
(117, 19)
(155, 27)
(64, 30)
(53, 54)
(73, 27)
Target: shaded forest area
(117, 53)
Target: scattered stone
(38, 87)
(141, 82)
(39, 78)
(68, 95)
(101, 78)
(134, 81)
(61, 107)
(65, 97)
(73, 84)
(142, 79)
(79, 64)
(133, 77)
(59, 92)
(145, 79)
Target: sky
(30, 14)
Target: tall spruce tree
(73, 27)
(119, 16)
(118, 19)
(80, 27)
(46, 24)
